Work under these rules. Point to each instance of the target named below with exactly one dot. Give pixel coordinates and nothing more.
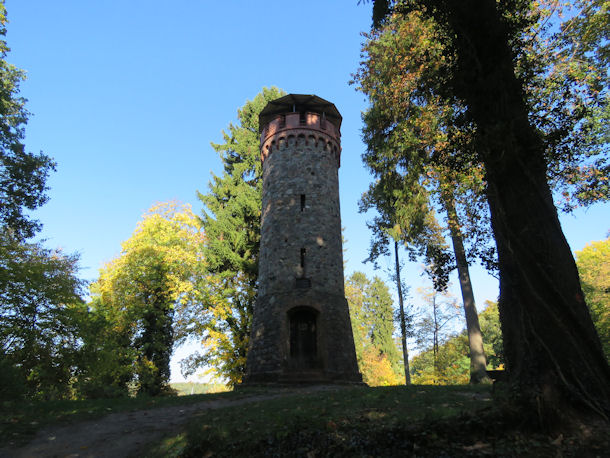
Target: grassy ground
(439, 421)
(20, 420)
(390, 421)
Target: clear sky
(127, 95)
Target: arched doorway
(303, 338)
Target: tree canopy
(139, 293)
(23, 175)
(39, 287)
(39, 334)
(489, 73)
(593, 263)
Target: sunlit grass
(188, 388)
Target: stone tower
(301, 330)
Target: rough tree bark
(403, 319)
(553, 354)
(478, 362)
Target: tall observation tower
(301, 329)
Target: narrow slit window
(303, 251)
(302, 118)
(302, 202)
(282, 121)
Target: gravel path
(127, 434)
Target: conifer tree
(372, 317)
(231, 220)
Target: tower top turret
(299, 103)
(297, 115)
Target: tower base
(301, 337)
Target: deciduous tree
(139, 293)
(449, 365)
(39, 335)
(23, 175)
(553, 366)
(593, 263)
(432, 330)
(413, 134)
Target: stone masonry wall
(301, 256)
(301, 223)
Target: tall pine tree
(231, 220)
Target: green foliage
(570, 97)
(23, 175)
(451, 363)
(489, 320)
(593, 263)
(131, 317)
(419, 148)
(371, 314)
(231, 220)
(39, 290)
(39, 299)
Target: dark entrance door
(303, 339)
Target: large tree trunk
(478, 362)
(553, 354)
(403, 318)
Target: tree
(593, 263)
(39, 289)
(372, 320)
(570, 97)
(106, 357)
(380, 307)
(376, 368)
(478, 361)
(449, 365)
(231, 220)
(23, 175)
(432, 327)
(39, 335)
(492, 333)
(403, 215)
(412, 134)
(555, 368)
(140, 292)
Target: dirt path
(128, 433)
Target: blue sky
(127, 95)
